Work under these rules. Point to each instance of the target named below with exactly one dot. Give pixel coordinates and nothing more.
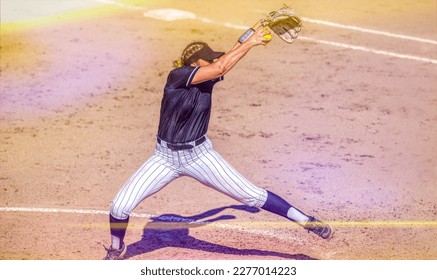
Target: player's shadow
(171, 230)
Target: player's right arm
(257, 25)
(227, 61)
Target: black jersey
(185, 108)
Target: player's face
(202, 62)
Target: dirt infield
(342, 123)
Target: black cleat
(114, 254)
(320, 228)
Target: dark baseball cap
(203, 52)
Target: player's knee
(254, 201)
(249, 202)
(118, 211)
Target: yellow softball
(267, 36)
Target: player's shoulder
(181, 76)
(182, 71)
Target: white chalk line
(371, 31)
(369, 50)
(166, 14)
(262, 232)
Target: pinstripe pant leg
(151, 177)
(208, 167)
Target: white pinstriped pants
(201, 163)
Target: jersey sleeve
(181, 77)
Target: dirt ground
(348, 135)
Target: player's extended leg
(278, 205)
(212, 170)
(151, 177)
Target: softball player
(183, 148)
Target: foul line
(229, 225)
(371, 31)
(369, 50)
(267, 233)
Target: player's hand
(262, 36)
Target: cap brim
(205, 53)
(213, 55)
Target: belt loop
(161, 142)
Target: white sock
(297, 216)
(115, 242)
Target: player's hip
(185, 153)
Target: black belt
(182, 146)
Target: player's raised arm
(226, 62)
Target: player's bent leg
(151, 177)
